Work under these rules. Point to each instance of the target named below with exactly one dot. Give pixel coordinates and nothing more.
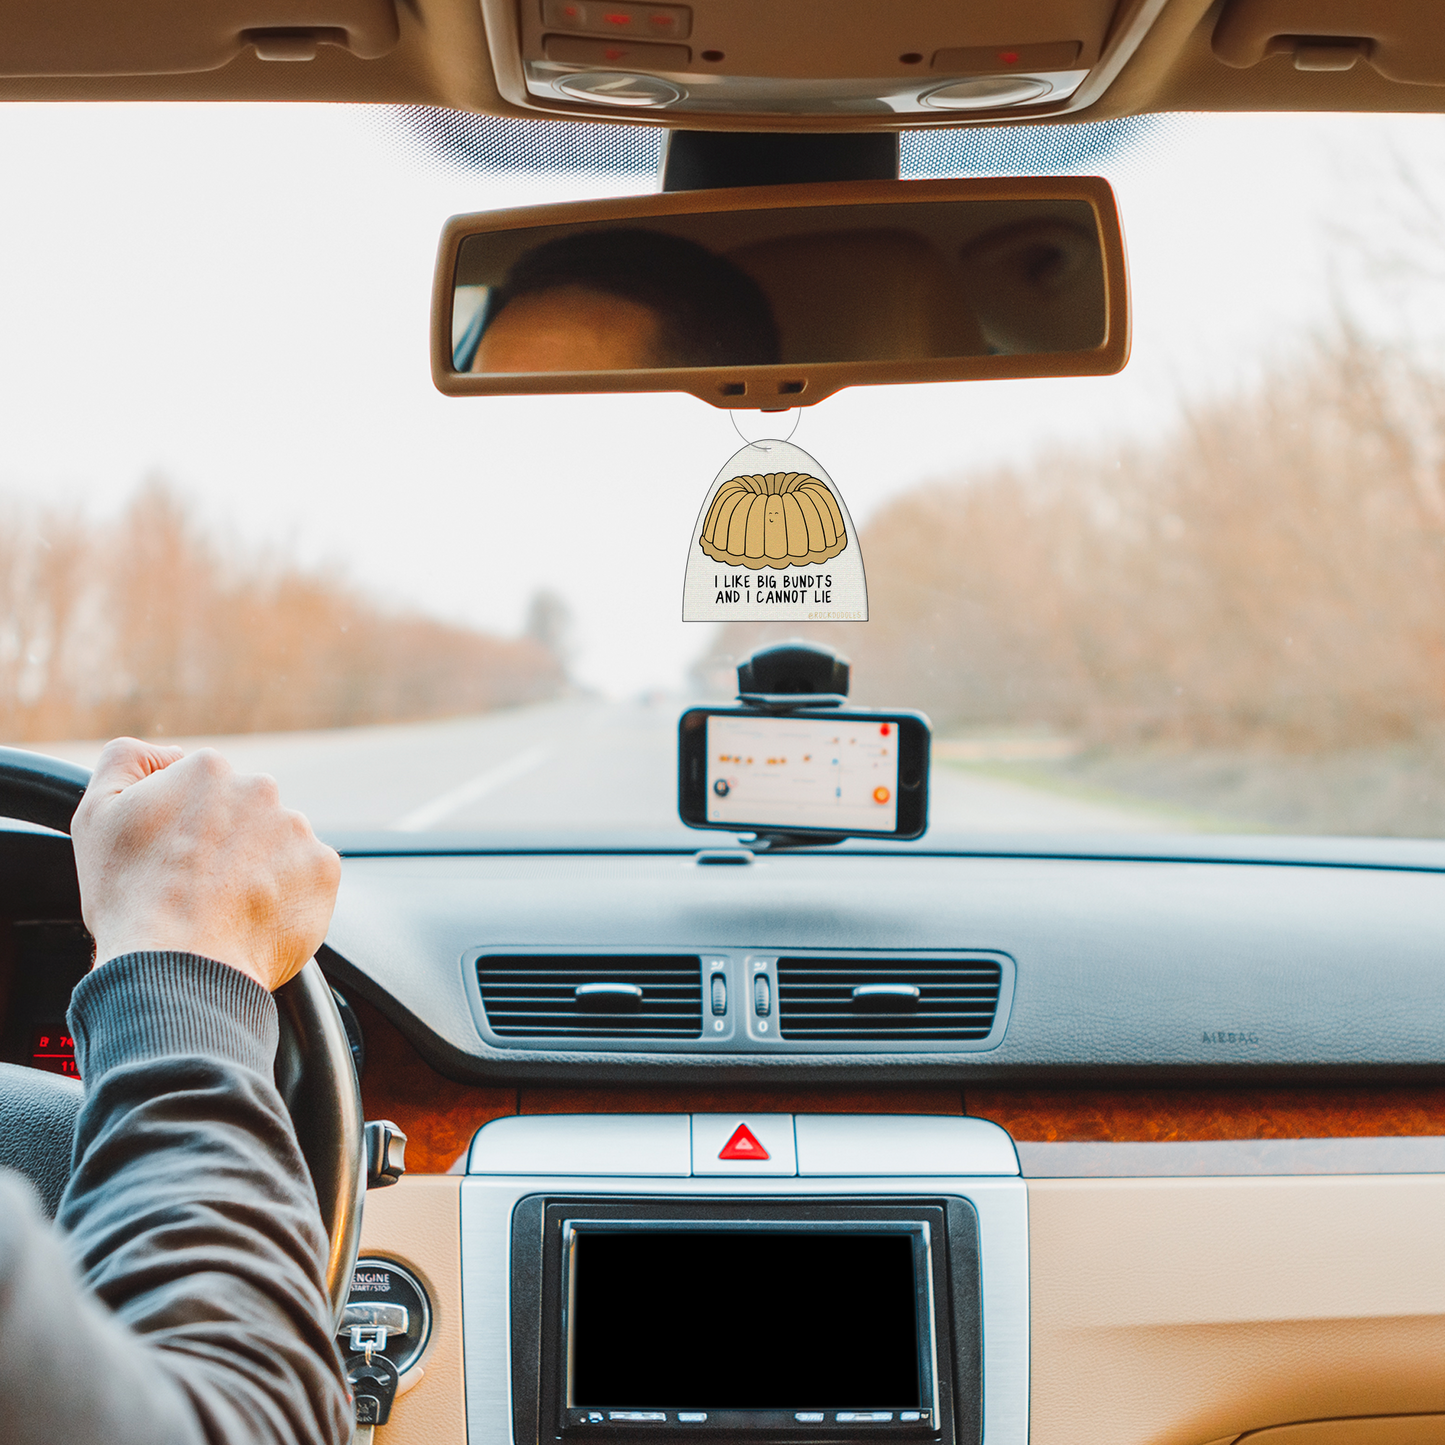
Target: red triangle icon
(743, 1145)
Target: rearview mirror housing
(778, 296)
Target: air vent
(586, 996)
(868, 999)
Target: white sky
(237, 296)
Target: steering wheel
(314, 1069)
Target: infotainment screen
(748, 1326)
(803, 772)
(748, 1321)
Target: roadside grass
(1242, 622)
(1393, 791)
(1062, 779)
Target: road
(581, 764)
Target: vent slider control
(887, 995)
(609, 997)
(929, 998)
(584, 996)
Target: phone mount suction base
(786, 677)
(781, 842)
(793, 674)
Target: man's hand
(180, 853)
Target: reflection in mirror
(1037, 286)
(900, 282)
(619, 299)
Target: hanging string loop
(766, 444)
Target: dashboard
(1194, 1095)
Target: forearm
(71, 1372)
(190, 1211)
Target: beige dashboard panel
(417, 1223)
(1185, 1311)
(1384, 1430)
(1290, 1311)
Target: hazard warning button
(743, 1145)
(750, 1144)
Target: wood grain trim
(1151, 1115)
(440, 1115)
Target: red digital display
(54, 1051)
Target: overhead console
(916, 59)
(771, 1278)
(744, 65)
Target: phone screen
(827, 773)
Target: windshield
(1205, 594)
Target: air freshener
(774, 543)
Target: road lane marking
(453, 801)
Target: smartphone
(820, 770)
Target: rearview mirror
(778, 296)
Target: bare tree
(1271, 574)
(149, 626)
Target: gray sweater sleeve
(191, 1219)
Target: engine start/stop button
(404, 1313)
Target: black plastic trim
(1405, 855)
(536, 1294)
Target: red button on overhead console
(578, 50)
(660, 22)
(742, 1145)
(1000, 59)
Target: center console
(770, 1278)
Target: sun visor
(1400, 38)
(176, 37)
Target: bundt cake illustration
(783, 519)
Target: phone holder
(785, 676)
(788, 677)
